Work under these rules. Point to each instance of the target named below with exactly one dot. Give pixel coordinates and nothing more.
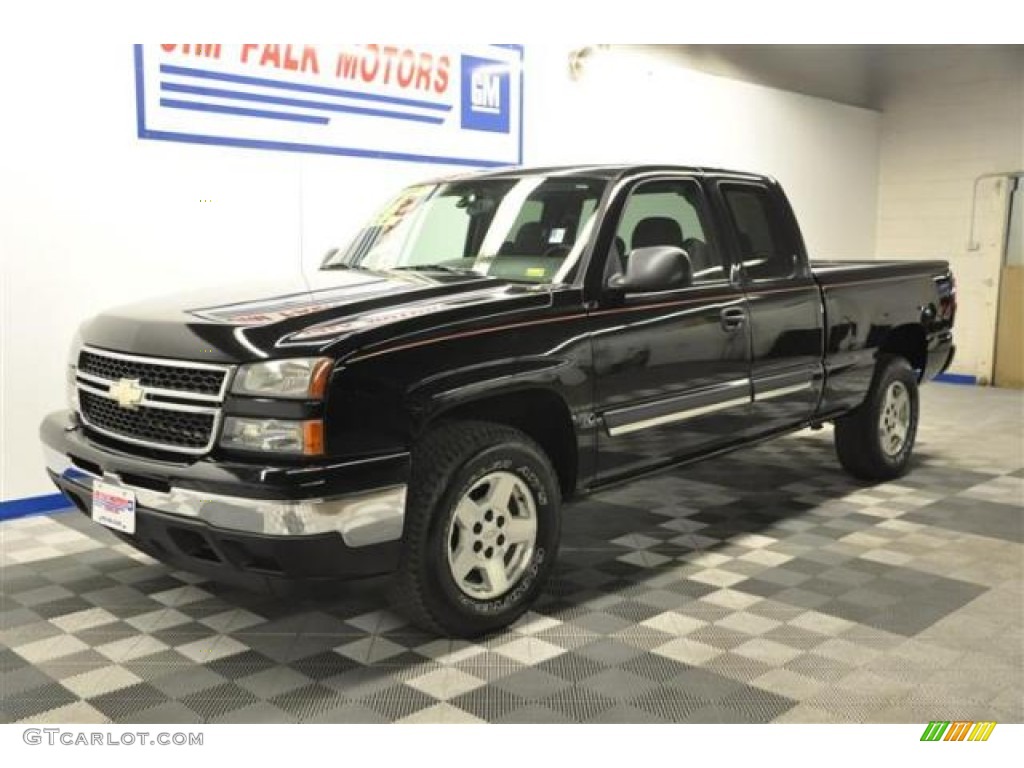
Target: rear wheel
(481, 530)
(875, 441)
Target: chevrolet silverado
(485, 349)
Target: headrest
(657, 230)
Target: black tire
(861, 436)
(447, 464)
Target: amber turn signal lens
(318, 381)
(313, 438)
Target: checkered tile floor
(762, 586)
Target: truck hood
(336, 313)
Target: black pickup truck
(485, 349)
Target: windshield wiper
(436, 268)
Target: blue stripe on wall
(199, 106)
(263, 98)
(33, 505)
(956, 378)
(171, 69)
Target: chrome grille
(177, 378)
(154, 426)
(177, 406)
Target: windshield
(530, 228)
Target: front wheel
(875, 441)
(481, 528)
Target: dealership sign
(459, 105)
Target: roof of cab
(605, 172)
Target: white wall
(634, 108)
(949, 115)
(91, 216)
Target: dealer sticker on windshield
(113, 506)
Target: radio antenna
(302, 230)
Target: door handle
(733, 318)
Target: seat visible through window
(667, 212)
(529, 240)
(656, 230)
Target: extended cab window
(668, 212)
(765, 250)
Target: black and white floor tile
(762, 586)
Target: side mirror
(657, 268)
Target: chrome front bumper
(362, 519)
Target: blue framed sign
(455, 105)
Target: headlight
(273, 435)
(71, 372)
(300, 378)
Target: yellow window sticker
(401, 206)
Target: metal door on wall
(1009, 363)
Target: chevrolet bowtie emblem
(127, 393)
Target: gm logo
(485, 95)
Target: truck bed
(834, 272)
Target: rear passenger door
(784, 305)
(670, 367)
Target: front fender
(432, 397)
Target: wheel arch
(910, 342)
(539, 412)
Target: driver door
(671, 366)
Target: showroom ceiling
(849, 74)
